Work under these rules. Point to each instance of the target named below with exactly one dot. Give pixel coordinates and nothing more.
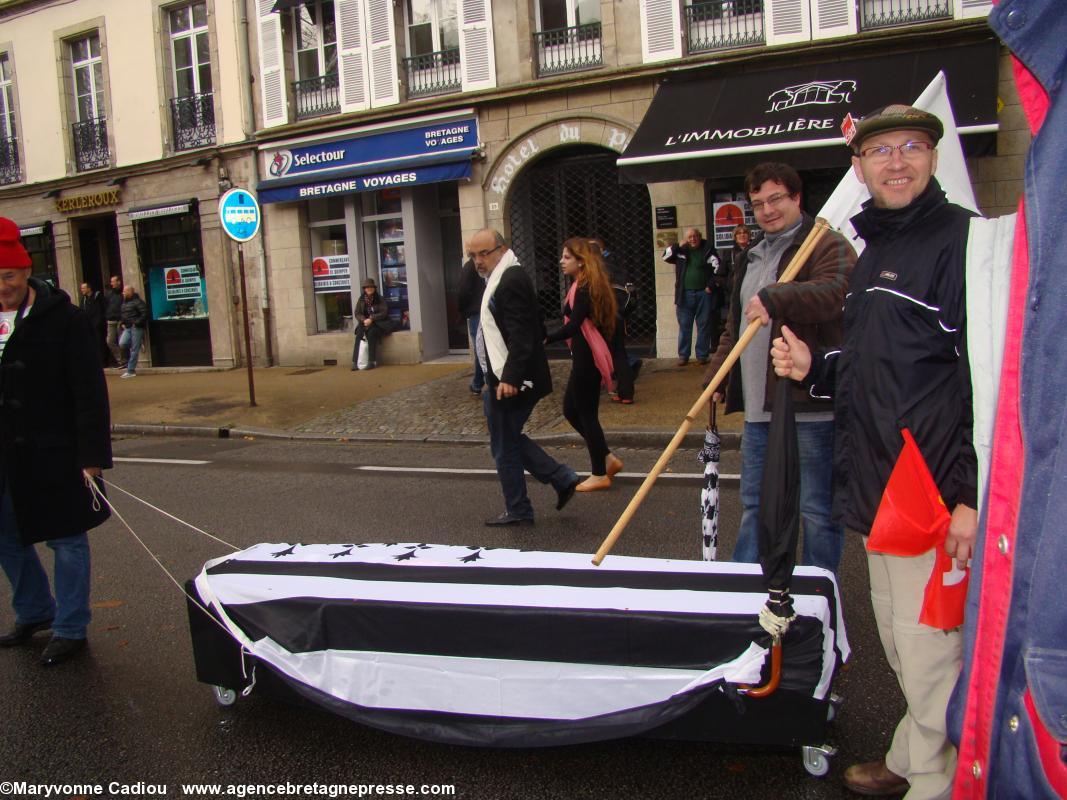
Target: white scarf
(492, 339)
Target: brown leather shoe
(874, 779)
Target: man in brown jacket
(811, 306)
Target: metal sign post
(240, 217)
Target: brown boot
(874, 779)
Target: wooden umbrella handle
(798, 261)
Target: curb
(656, 440)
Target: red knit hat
(12, 254)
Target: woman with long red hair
(589, 315)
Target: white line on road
(186, 461)
(690, 476)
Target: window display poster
(392, 255)
(391, 230)
(728, 216)
(331, 274)
(177, 292)
(394, 276)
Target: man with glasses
(55, 438)
(903, 365)
(510, 348)
(811, 305)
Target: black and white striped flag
(503, 647)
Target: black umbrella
(779, 515)
(709, 495)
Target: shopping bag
(363, 359)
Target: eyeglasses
(483, 253)
(883, 152)
(771, 202)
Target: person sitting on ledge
(372, 323)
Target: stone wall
(998, 180)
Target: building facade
(379, 135)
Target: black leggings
(581, 402)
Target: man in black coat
(92, 303)
(510, 347)
(54, 440)
(113, 316)
(471, 289)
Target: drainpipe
(249, 126)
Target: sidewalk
(420, 402)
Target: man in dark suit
(92, 303)
(510, 347)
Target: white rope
(772, 623)
(164, 513)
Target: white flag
(850, 194)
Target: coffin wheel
(223, 696)
(817, 759)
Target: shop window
(10, 171)
(330, 268)
(38, 243)
(386, 251)
(192, 104)
(89, 130)
(315, 56)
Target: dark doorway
(452, 260)
(575, 191)
(98, 250)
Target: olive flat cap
(897, 118)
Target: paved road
(133, 711)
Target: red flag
(911, 517)
(912, 520)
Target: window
(315, 51)
(330, 268)
(432, 26)
(193, 103)
(568, 38)
(557, 14)
(9, 149)
(89, 130)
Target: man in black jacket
(134, 321)
(113, 315)
(54, 441)
(471, 289)
(510, 347)
(903, 365)
(92, 303)
(698, 293)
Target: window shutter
(384, 86)
(271, 67)
(661, 30)
(830, 18)
(786, 21)
(476, 56)
(352, 53)
(969, 9)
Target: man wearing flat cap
(903, 365)
(55, 438)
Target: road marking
(688, 476)
(186, 461)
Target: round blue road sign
(239, 214)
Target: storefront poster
(177, 293)
(728, 216)
(331, 274)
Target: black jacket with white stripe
(903, 363)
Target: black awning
(721, 126)
(285, 5)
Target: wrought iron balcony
(318, 96)
(433, 73)
(9, 160)
(723, 24)
(887, 13)
(568, 49)
(91, 150)
(193, 121)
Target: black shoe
(371, 365)
(564, 495)
(354, 368)
(59, 650)
(23, 632)
(508, 519)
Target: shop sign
(666, 217)
(400, 179)
(182, 283)
(80, 202)
(331, 274)
(456, 138)
(728, 216)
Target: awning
(159, 211)
(721, 126)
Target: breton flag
(850, 194)
(503, 648)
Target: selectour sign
(239, 214)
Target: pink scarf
(593, 337)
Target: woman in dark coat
(589, 324)
(372, 322)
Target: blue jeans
(823, 539)
(478, 381)
(695, 307)
(133, 347)
(31, 595)
(513, 451)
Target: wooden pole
(801, 257)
